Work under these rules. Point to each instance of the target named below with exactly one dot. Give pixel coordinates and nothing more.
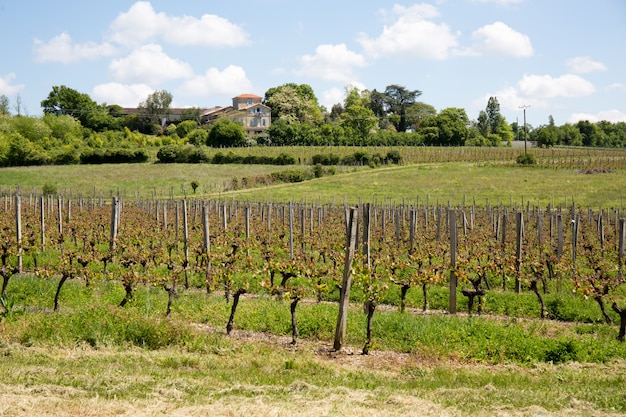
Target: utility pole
(525, 106)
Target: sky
(559, 58)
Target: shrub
(284, 159)
(49, 189)
(113, 156)
(393, 157)
(325, 159)
(318, 171)
(168, 154)
(526, 159)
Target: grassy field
(453, 182)
(93, 358)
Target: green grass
(457, 183)
(95, 358)
(443, 182)
(437, 362)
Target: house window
(263, 122)
(249, 101)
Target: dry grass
(77, 395)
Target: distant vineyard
(556, 157)
(308, 251)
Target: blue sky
(564, 58)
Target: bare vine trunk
(294, 323)
(128, 288)
(622, 321)
(403, 291)
(370, 307)
(233, 309)
(64, 278)
(600, 302)
(535, 288)
(171, 294)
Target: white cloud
(331, 97)
(412, 35)
(612, 116)
(337, 95)
(141, 23)
(7, 87)
(500, 39)
(62, 49)
(124, 95)
(232, 80)
(618, 86)
(545, 86)
(149, 64)
(510, 99)
(538, 92)
(331, 62)
(584, 64)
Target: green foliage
(49, 189)
(526, 159)
(113, 156)
(226, 133)
(198, 137)
(185, 127)
(182, 154)
(293, 175)
(560, 351)
(448, 128)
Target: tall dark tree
(397, 100)
(493, 115)
(378, 103)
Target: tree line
(73, 125)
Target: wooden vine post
(186, 243)
(453, 245)
(42, 216)
(367, 215)
(114, 223)
(620, 250)
(207, 244)
(519, 227)
(18, 230)
(344, 299)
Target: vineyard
(219, 300)
(298, 252)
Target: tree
(226, 133)
(65, 100)
(482, 123)
(495, 119)
(568, 134)
(4, 105)
(417, 112)
(394, 101)
(295, 102)
(156, 107)
(448, 128)
(591, 134)
(358, 120)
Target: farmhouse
(246, 109)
